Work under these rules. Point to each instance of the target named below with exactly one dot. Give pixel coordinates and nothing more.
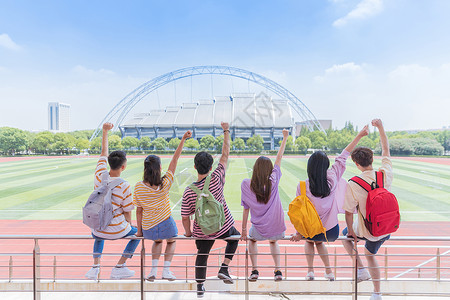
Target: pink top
(328, 207)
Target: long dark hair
(152, 170)
(260, 183)
(318, 164)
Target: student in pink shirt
(321, 187)
(260, 196)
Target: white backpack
(98, 210)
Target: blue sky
(345, 59)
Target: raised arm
(282, 147)
(362, 133)
(226, 143)
(176, 155)
(106, 127)
(383, 138)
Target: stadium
(248, 113)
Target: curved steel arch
(124, 106)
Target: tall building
(58, 117)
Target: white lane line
(420, 265)
(176, 204)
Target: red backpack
(382, 211)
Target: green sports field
(57, 188)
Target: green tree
(42, 141)
(130, 142)
(145, 143)
(82, 144)
(238, 144)
(115, 142)
(367, 142)
(96, 144)
(86, 134)
(303, 143)
(207, 142)
(12, 140)
(219, 142)
(289, 143)
(318, 139)
(339, 139)
(63, 143)
(173, 143)
(256, 142)
(304, 131)
(160, 143)
(444, 139)
(192, 144)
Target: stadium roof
(240, 110)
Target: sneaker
(278, 275)
(375, 296)
(152, 276)
(310, 276)
(223, 274)
(363, 275)
(167, 274)
(329, 276)
(200, 290)
(121, 272)
(254, 276)
(93, 273)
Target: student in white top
(355, 197)
(120, 225)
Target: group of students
(259, 197)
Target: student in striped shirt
(203, 164)
(120, 225)
(153, 214)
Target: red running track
(71, 265)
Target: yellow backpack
(304, 216)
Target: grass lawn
(57, 188)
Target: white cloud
(8, 43)
(364, 10)
(343, 70)
(350, 67)
(410, 73)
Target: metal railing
(429, 263)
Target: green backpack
(209, 213)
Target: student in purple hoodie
(260, 196)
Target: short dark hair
(203, 162)
(117, 159)
(363, 156)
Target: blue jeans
(129, 249)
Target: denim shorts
(255, 235)
(332, 235)
(371, 246)
(165, 230)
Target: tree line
(14, 141)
